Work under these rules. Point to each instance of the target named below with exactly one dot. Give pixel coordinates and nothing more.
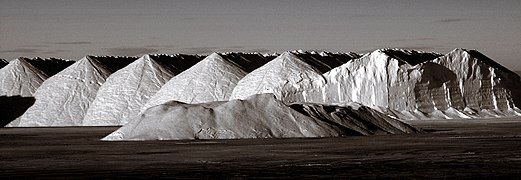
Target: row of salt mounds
(212, 79)
(258, 116)
(362, 80)
(22, 76)
(295, 68)
(63, 99)
(3, 63)
(127, 90)
(419, 85)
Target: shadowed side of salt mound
(360, 119)
(3, 63)
(259, 116)
(11, 107)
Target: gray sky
(75, 28)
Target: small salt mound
(22, 76)
(212, 79)
(126, 90)
(259, 116)
(63, 99)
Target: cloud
(236, 47)
(452, 20)
(55, 51)
(260, 50)
(72, 42)
(201, 50)
(35, 46)
(412, 39)
(22, 50)
(418, 48)
(160, 46)
(208, 50)
(126, 51)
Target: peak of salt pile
(126, 90)
(259, 116)
(297, 68)
(23, 76)
(212, 79)
(63, 99)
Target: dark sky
(75, 28)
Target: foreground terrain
(450, 148)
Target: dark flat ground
(463, 149)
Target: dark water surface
(468, 149)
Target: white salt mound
(297, 69)
(476, 82)
(259, 116)
(126, 91)
(63, 99)
(22, 76)
(212, 79)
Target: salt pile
(417, 85)
(63, 99)
(23, 76)
(259, 116)
(296, 68)
(379, 78)
(473, 84)
(126, 91)
(212, 79)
